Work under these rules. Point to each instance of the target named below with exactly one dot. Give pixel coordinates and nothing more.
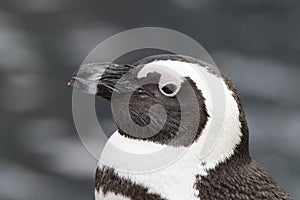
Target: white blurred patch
(23, 92)
(192, 5)
(41, 5)
(47, 138)
(16, 47)
(79, 41)
(19, 182)
(261, 77)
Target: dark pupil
(169, 88)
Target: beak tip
(70, 83)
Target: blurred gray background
(42, 42)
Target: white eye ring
(169, 89)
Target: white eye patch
(170, 80)
(169, 89)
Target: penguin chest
(175, 182)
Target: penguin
(224, 170)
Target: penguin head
(164, 99)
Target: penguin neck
(226, 149)
(174, 180)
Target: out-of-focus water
(43, 41)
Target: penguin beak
(101, 79)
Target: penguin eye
(169, 89)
